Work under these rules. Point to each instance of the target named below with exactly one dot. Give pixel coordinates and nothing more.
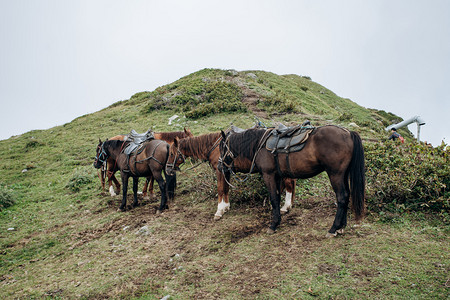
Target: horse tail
(357, 176)
(171, 180)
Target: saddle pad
(292, 143)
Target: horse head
(226, 157)
(101, 154)
(176, 158)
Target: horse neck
(199, 147)
(170, 136)
(114, 148)
(244, 145)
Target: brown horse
(332, 149)
(148, 160)
(110, 168)
(205, 148)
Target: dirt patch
(251, 99)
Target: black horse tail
(171, 184)
(357, 176)
(171, 180)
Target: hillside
(63, 237)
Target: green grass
(68, 240)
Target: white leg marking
(222, 207)
(111, 191)
(287, 204)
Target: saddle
(135, 140)
(288, 139)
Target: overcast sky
(63, 59)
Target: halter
(172, 165)
(99, 157)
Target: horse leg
(162, 188)
(341, 189)
(125, 177)
(273, 184)
(289, 184)
(144, 190)
(223, 204)
(148, 186)
(112, 179)
(102, 180)
(135, 189)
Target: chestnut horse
(332, 149)
(205, 148)
(110, 167)
(148, 160)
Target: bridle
(228, 153)
(178, 155)
(102, 156)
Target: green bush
(408, 176)
(81, 177)
(7, 198)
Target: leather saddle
(288, 139)
(135, 140)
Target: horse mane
(170, 136)
(199, 146)
(114, 144)
(246, 143)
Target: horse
(110, 168)
(148, 160)
(335, 150)
(205, 147)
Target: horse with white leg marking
(110, 167)
(205, 148)
(148, 160)
(332, 149)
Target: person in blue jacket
(395, 135)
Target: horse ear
(99, 141)
(224, 136)
(175, 141)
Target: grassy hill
(62, 236)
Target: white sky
(62, 59)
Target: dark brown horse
(148, 160)
(110, 168)
(332, 149)
(206, 148)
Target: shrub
(408, 176)
(81, 177)
(7, 198)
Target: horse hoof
(270, 231)
(331, 235)
(283, 212)
(217, 218)
(120, 210)
(158, 212)
(340, 231)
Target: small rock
(125, 228)
(24, 170)
(11, 229)
(353, 125)
(251, 75)
(166, 297)
(173, 118)
(143, 231)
